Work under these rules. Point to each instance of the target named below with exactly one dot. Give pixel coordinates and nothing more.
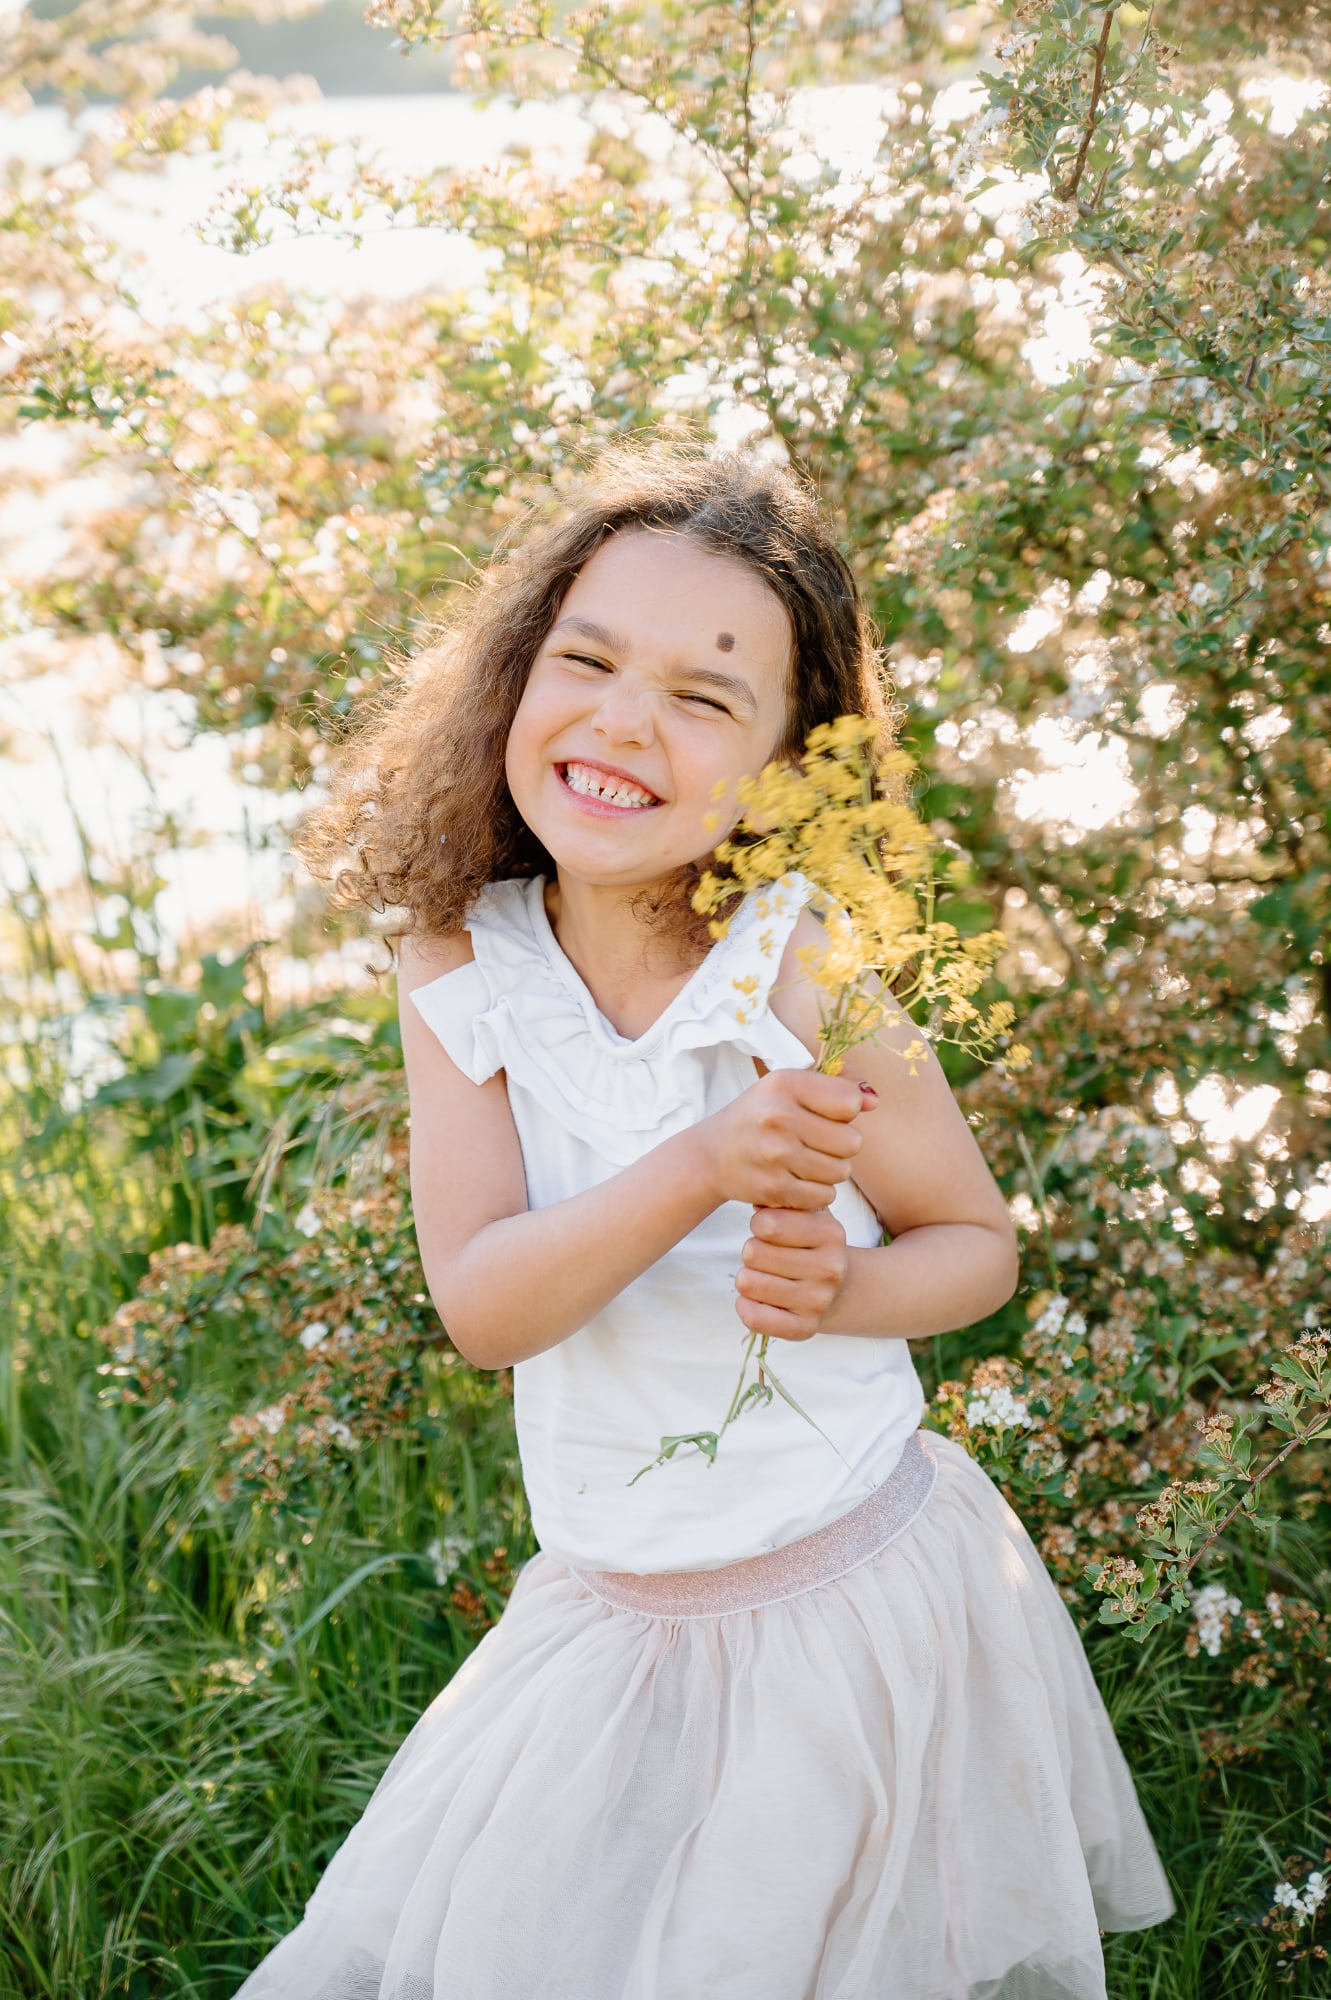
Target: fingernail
(868, 1090)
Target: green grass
(194, 1707)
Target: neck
(631, 966)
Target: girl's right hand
(788, 1140)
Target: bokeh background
(298, 308)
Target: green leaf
(150, 1086)
(223, 983)
(706, 1441)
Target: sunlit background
(92, 751)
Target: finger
(775, 1261)
(824, 1168)
(795, 1228)
(771, 1320)
(792, 1295)
(826, 1135)
(838, 1097)
(792, 1192)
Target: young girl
(810, 1721)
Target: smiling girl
(810, 1722)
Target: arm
(510, 1282)
(953, 1257)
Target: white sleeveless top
(664, 1356)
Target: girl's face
(666, 673)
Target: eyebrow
(600, 635)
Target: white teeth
(614, 791)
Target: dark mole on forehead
(725, 641)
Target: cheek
(738, 755)
(522, 753)
(532, 722)
(515, 750)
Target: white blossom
(446, 1553)
(998, 1407)
(311, 1335)
(307, 1222)
(271, 1419)
(1210, 1606)
(1051, 1319)
(1305, 1903)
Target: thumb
(870, 1097)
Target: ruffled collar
(713, 978)
(621, 1094)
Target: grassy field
(209, 1650)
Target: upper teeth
(596, 785)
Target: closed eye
(683, 694)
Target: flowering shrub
(189, 1294)
(355, 1313)
(1295, 1912)
(1186, 1517)
(332, 1312)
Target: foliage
(1103, 579)
(1185, 1519)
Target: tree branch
(1314, 1429)
(1068, 191)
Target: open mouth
(604, 788)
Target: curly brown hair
(418, 796)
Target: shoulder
(799, 1003)
(424, 958)
(794, 996)
(500, 915)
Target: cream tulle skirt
(873, 1767)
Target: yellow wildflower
(836, 818)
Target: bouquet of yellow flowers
(837, 818)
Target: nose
(624, 714)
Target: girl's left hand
(794, 1266)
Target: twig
(1251, 1485)
(1319, 474)
(1068, 191)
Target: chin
(579, 863)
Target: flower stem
(739, 1386)
(1313, 1430)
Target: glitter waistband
(817, 1558)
